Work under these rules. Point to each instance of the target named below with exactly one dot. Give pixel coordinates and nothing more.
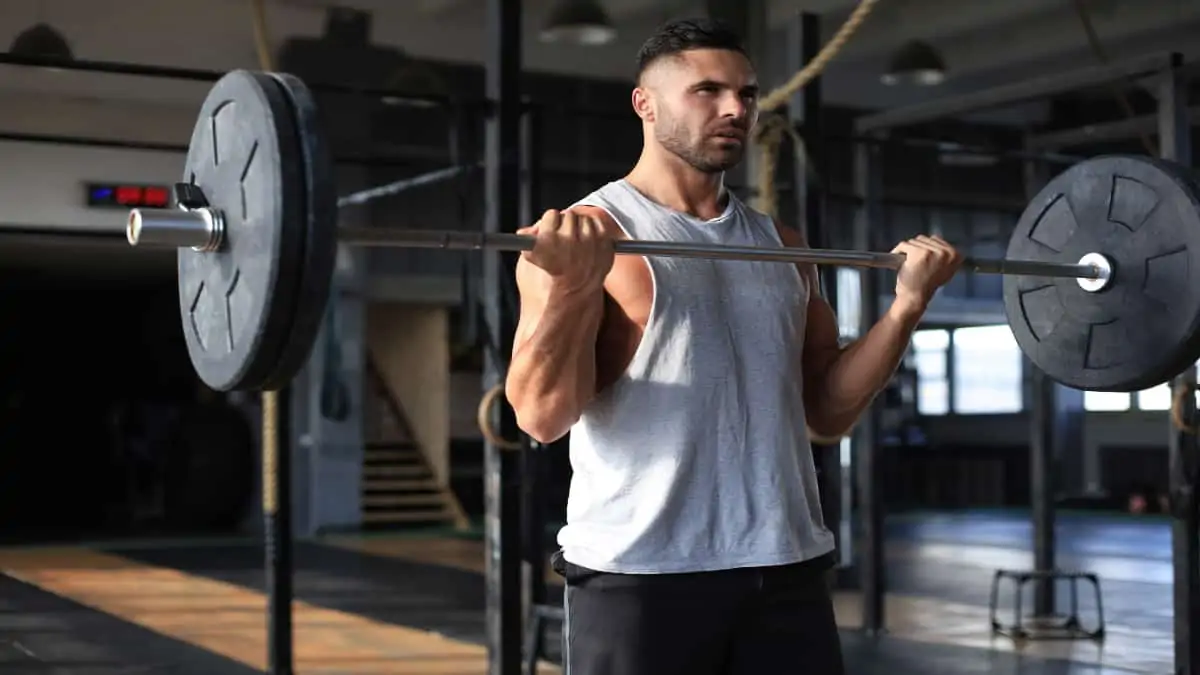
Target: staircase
(399, 488)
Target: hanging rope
(773, 127)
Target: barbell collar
(201, 229)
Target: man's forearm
(866, 366)
(553, 374)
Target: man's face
(701, 104)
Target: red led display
(128, 196)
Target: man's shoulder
(790, 236)
(602, 205)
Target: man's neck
(678, 186)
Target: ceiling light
(581, 22)
(916, 63)
(41, 41)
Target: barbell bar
(1101, 278)
(202, 229)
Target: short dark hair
(681, 35)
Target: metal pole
(868, 170)
(810, 176)
(502, 189)
(1174, 135)
(1042, 454)
(172, 228)
(167, 228)
(1041, 488)
(532, 504)
(277, 528)
(364, 236)
(810, 180)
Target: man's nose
(734, 106)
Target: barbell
(1099, 289)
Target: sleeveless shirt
(698, 457)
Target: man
(694, 541)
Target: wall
(1104, 434)
(411, 346)
(44, 186)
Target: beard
(705, 153)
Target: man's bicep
(822, 336)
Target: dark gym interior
(380, 511)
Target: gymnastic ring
(483, 419)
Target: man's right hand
(573, 248)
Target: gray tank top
(698, 457)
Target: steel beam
(1012, 94)
(1104, 132)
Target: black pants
(756, 621)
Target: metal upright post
(806, 103)
(532, 486)
(501, 468)
(277, 526)
(1174, 133)
(1042, 453)
(868, 171)
(804, 42)
(1041, 490)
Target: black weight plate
(320, 244)
(235, 303)
(1143, 214)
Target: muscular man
(694, 541)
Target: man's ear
(643, 104)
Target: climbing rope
(774, 127)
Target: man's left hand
(929, 262)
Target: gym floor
(409, 605)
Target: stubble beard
(676, 140)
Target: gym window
(1156, 398)
(1106, 401)
(930, 348)
(988, 371)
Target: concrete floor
(406, 605)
